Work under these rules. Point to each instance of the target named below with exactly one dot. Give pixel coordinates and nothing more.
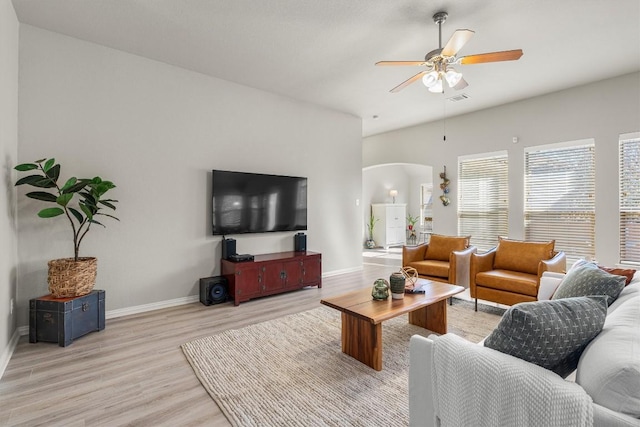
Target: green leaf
(40, 161)
(54, 173)
(64, 199)
(77, 214)
(110, 216)
(41, 195)
(107, 204)
(29, 179)
(50, 212)
(26, 167)
(76, 187)
(48, 164)
(44, 183)
(89, 199)
(70, 182)
(86, 211)
(96, 222)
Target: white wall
(157, 131)
(601, 110)
(8, 158)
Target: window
(630, 198)
(483, 198)
(560, 197)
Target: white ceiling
(323, 51)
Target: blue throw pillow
(587, 279)
(551, 334)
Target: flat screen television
(257, 203)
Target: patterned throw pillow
(551, 334)
(587, 279)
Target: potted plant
(69, 277)
(372, 223)
(411, 220)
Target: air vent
(457, 98)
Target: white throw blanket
(478, 386)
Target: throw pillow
(440, 247)
(521, 256)
(626, 272)
(587, 279)
(551, 334)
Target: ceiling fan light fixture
(430, 79)
(437, 87)
(453, 77)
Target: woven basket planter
(69, 278)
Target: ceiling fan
(439, 62)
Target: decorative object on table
(397, 282)
(370, 225)
(393, 194)
(62, 320)
(380, 290)
(410, 276)
(69, 277)
(444, 186)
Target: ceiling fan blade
(406, 63)
(408, 82)
(461, 84)
(457, 40)
(505, 55)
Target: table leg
(362, 340)
(432, 317)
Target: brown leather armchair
(510, 273)
(443, 259)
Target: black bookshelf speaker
(300, 242)
(213, 290)
(228, 248)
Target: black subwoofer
(213, 290)
(300, 242)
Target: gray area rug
(291, 371)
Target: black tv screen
(257, 203)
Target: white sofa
(595, 360)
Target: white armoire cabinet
(390, 230)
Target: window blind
(560, 197)
(483, 199)
(629, 171)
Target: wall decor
(444, 186)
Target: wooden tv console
(270, 274)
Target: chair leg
(476, 304)
(450, 300)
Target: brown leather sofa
(443, 259)
(510, 273)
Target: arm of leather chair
(459, 266)
(557, 264)
(478, 263)
(413, 253)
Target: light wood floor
(133, 372)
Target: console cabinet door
(272, 276)
(248, 282)
(311, 271)
(292, 274)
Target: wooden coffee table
(362, 317)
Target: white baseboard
(112, 314)
(8, 351)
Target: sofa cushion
(440, 247)
(510, 281)
(585, 278)
(522, 256)
(628, 273)
(609, 368)
(432, 268)
(551, 334)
